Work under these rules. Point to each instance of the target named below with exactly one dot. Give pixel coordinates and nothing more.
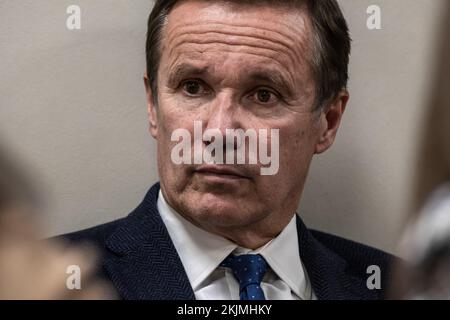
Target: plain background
(72, 107)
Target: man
(226, 230)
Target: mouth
(220, 174)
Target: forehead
(274, 32)
(272, 13)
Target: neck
(253, 236)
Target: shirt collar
(282, 255)
(202, 252)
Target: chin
(219, 211)
(213, 204)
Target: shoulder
(96, 236)
(351, 250)
(358, 257)
(99, 235)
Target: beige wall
(72, 105)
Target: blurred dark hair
(15, 185)
(330, 48)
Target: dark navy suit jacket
(139, 258)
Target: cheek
(176, 113)
(297, 144)
(298, 141)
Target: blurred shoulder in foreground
(32, 269)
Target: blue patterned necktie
(249, 270)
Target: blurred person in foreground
(216, 231)
(426, 244)
(31, 268)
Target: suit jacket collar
(328, 272)
(145, 263)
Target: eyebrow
(273, 77)
(270, 76)
(181, 70)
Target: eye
(193, 87)
(265, 96)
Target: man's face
(236, 67)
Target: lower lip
(220, 178)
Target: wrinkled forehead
(282, 29)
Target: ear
(151, 109)
(330, 120)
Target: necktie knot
(249, 270)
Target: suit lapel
(326, 270)
(144, 263)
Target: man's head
(245, 65)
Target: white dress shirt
(202, 253)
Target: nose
(223, 113)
